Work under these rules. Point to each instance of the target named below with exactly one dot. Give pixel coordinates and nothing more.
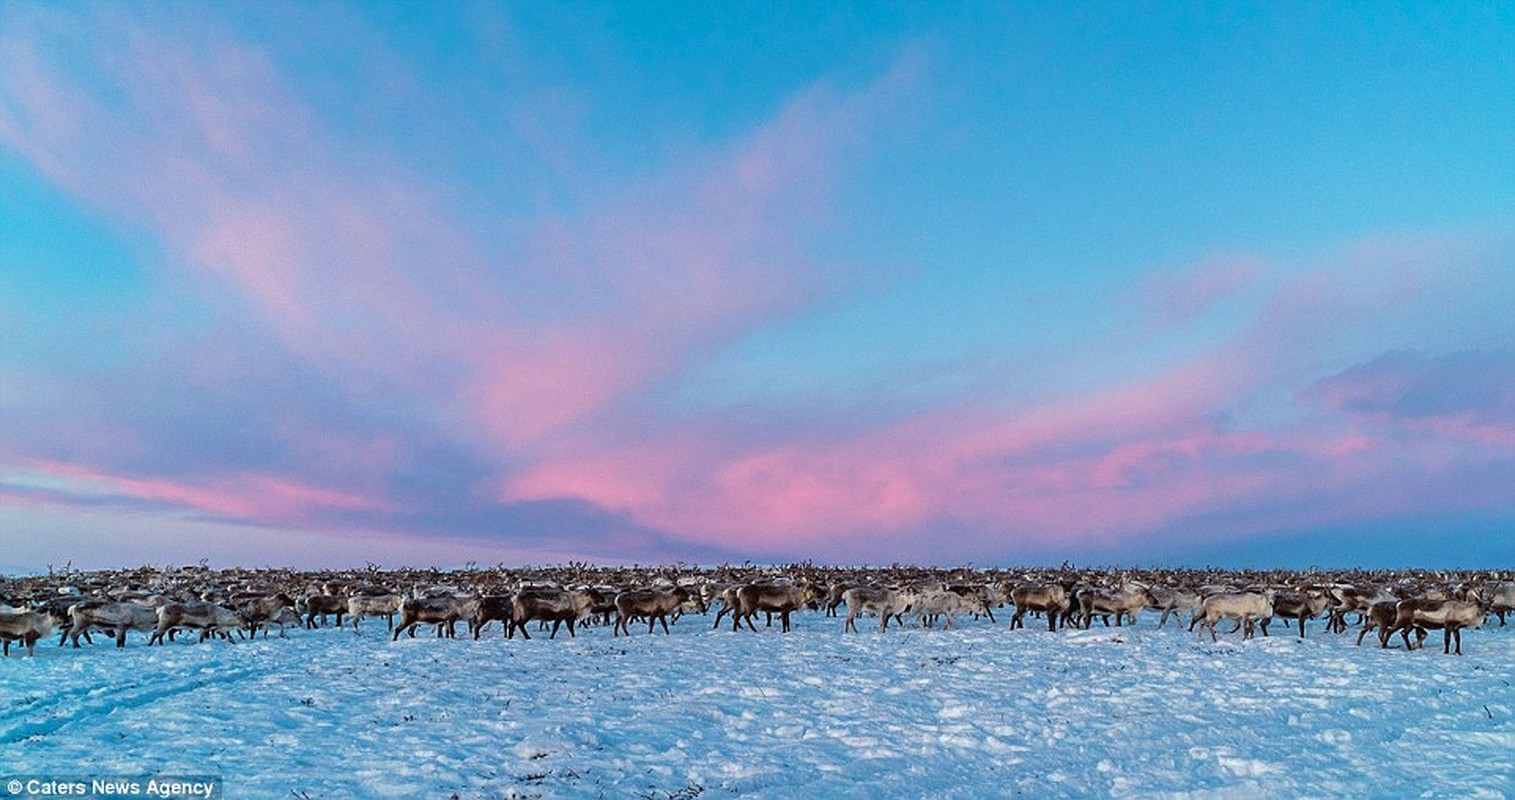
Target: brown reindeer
(779, 598)
(444, 612)
(493, 607)
(1380, 616)
(1125, 601)
(730, 604)
(208, 618)
(1298, 605)
(1451, 616)
(259, 610)
(835, 596)
(549, 605)
(25, 627)
(601, 603)
(654, 604)
(1048, 598)
(1350, 600)
(318, 606)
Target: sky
(329, 284)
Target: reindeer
(493, 607)
(1351, 599)
(209, 618)
(26, 627)
(980, 599)
(1451, 616)
(782, 599)
(257, 610)
(443, 611)
(1171, 601)
(1247, 607)
(1299, 605)
(1122, 602)
(373, 605)
(654, 604)
(835, 596)
(548, 604)
(730, 604)
(119, 617)
(601, 603)
(1048, 598)
(948, 603)
(1380, 616)
(1501, 598)
(884, 602)
(283, 618)
(317, 606)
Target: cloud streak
(1122, 463)
(359, 275)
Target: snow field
(981, 711)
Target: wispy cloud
(1180, 297)
(359, 275)
(247, 496)
(363, 357)
(1113, 464)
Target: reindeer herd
(162, 603)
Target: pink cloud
(211, 150)
(247, 496)
(1181, 296)
(1461, 427)
(1097, 467)
(357, 267)
(1465, 395)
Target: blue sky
(996, 283)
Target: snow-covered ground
(981, 711)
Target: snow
(973, 712)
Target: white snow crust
(981, 711)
